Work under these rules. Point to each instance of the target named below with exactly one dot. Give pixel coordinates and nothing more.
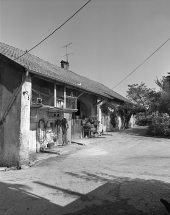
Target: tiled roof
(44, 68)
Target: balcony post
(55, 96)
(64, 97)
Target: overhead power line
(141, 63)
(53, 31)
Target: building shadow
(16, 199)
(114, 196)
(122, 195)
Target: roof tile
(44, 68)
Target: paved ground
(126, 173)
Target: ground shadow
(136, 131)
(114, 196)
(139, 131)
(18, 199)
(122, 195)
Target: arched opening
(82, 112)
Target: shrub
(113, 120)
(144, 122)
(160, 125)
(90, 122)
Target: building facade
(42, 105)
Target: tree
(164, 102)
(164, 83)
(124, 111)
(142, 96)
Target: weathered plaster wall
(131, 121)
(24, 139)
(35, 139)
(68, 116)
(10, 80)
(99, 114)
(102, 118)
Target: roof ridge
(46, 68)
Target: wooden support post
(55, 96)
(68, 116)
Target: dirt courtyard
(121, 173)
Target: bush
(90, 122)
(159, 130)
(160, 125)
(144, 122)
(113, 120)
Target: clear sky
(110, 38)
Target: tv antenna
(65, 46)
(67, 56)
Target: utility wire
(53, 31)
(142, 63)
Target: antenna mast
(67, 56)
(66, 51)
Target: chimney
(64, 64)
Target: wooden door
(76, 129)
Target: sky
(110, 38)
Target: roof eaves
(71, 84)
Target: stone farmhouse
(38, 98)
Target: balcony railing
(71, 102)
(52, 97)
(39, 100)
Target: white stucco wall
(25, 121)
(101, 117)
(36, 115)
(131, 122)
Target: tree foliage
(143, 96)
(164, 83)
(163, 104)
(107, 106)
(157, 104)
(125, 111)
